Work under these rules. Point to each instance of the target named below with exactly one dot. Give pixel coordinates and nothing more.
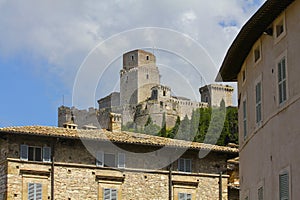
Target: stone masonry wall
(81, 182)
(78, 177)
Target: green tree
(184, 129)
(150, 127)
(173, 132)
(163, 130)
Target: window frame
(111, 190)
(279, 20)
(281, 173)
(185, 196)
(244, 117)
(100, 159)
(24, 153)
(258, 101)
(185, 160)
(37, 191)
(284, 82)
(257, 48)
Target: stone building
(213, 94)
(39, 162)
(142, 95)
(264, 60)
(84, 119)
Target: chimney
(114, 122)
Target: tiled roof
(117, 137)
(248, 35)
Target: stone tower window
(147, 57)
(147, 76)
(164, 93)
(132, 57)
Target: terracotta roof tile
(118, 137)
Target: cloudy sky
(69, 51)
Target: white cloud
(63, 32)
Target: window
(284, 186)
(184, 196)
(34, 191)
(132, 57)
(121, 160)
(258, 102)
(109, 159)
(260, 193)
(282, 80)
(147, 76)
(245, 118)
(185, 165)
(279, 28)
(147, 57)
(244, 75)
(34, 153)
(110, 194)
(256, 54)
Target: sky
(69, 52)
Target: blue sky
(44, 43)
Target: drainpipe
(52, 168)
(220, 186)
(170, 181)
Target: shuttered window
(258, 102)
(35, 153)
(260, 193)
(282, 81)
(109, 159)
(34, 191)
(245, 118)
(184, 196)
(110, 194)
(284, 186)
(121, 160)
(185, 165)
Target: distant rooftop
(117, 137)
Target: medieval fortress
(141, 95)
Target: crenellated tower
(138, 75)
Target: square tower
(138, 75)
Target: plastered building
(264, 60)
(39, 162)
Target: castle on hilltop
(142, 96)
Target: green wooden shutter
(284, 186)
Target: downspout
(220, 186)
(52, 168)
(170, 181)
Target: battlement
(213, 94)
(137, 58)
